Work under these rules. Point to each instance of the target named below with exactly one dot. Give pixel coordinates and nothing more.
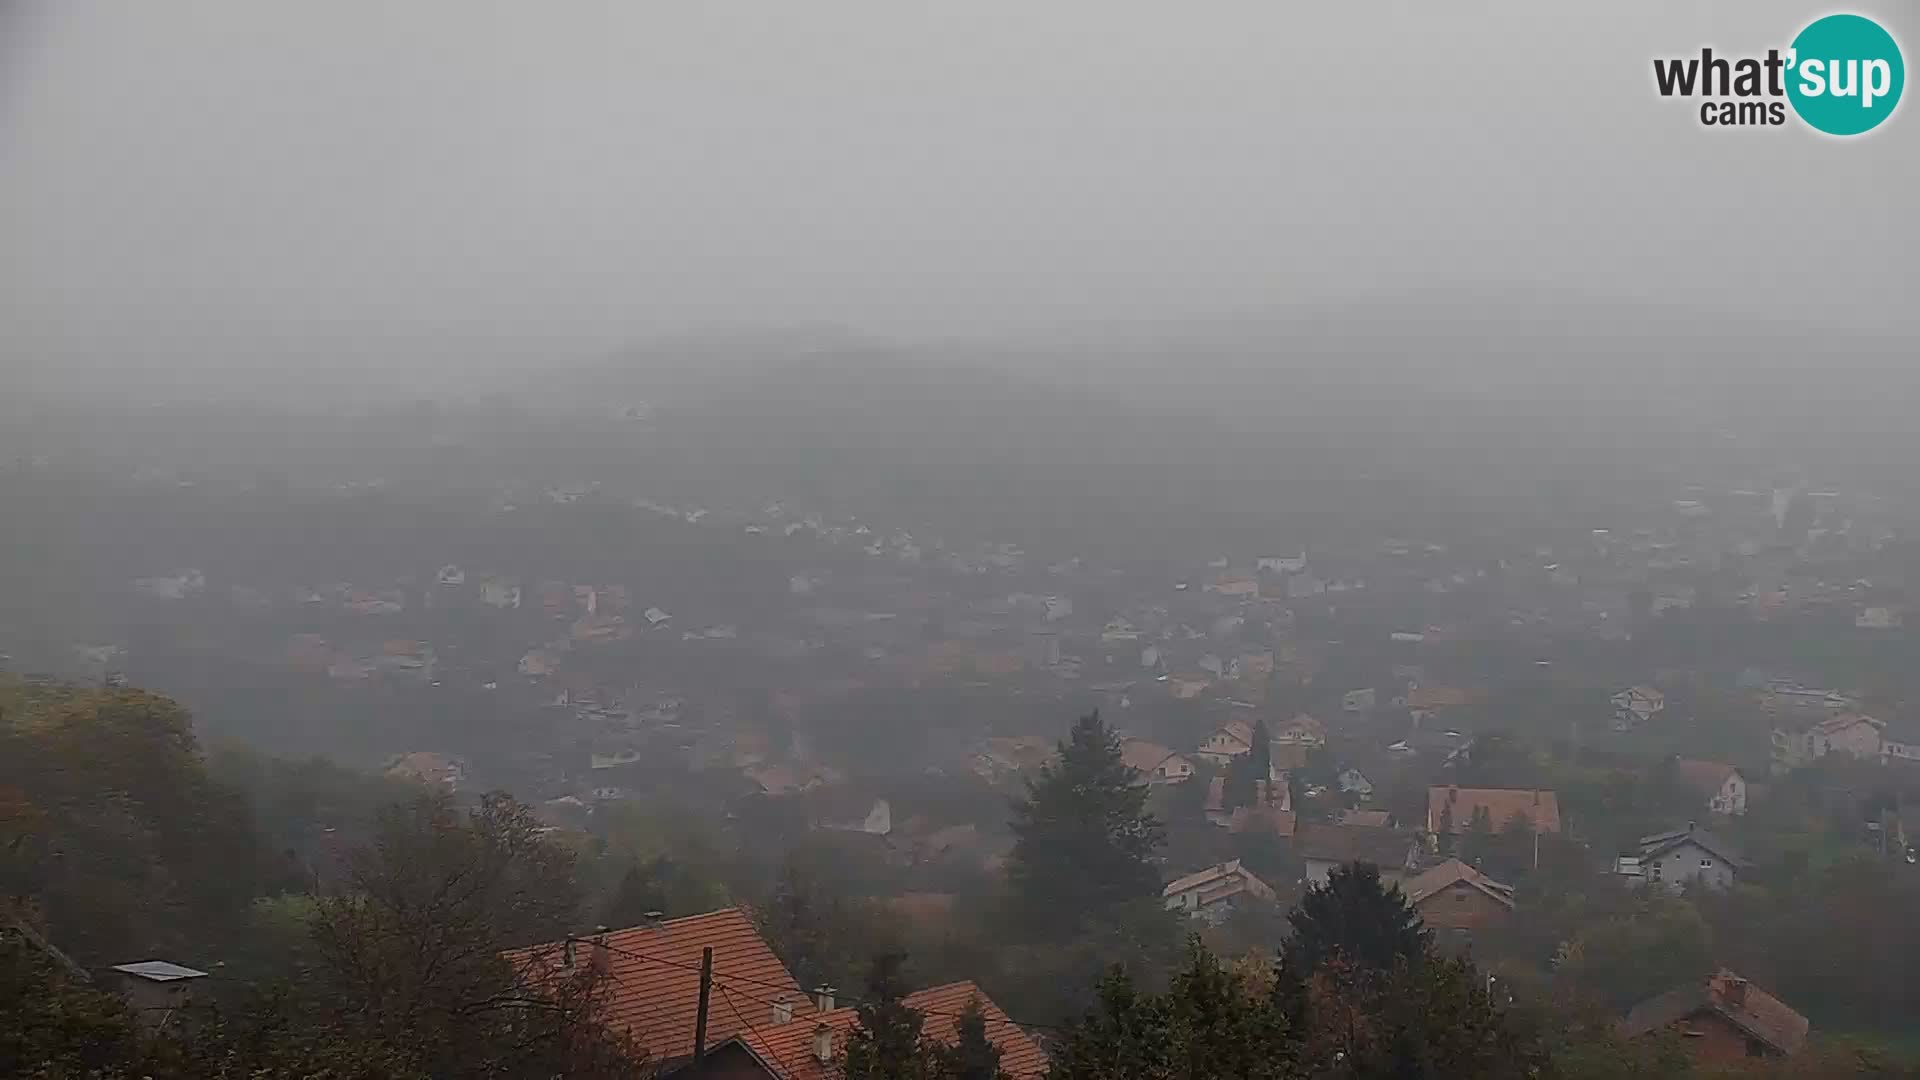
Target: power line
(752, 1030)
(738, 979)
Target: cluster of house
(1447, 892)
(1810, 722)
(399, 659)
(706, 997)
(1721, 1019)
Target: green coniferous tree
(887, 1045)
(1083, 835)
(1355, 916)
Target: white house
(1719, 783)
(1229, 741)
(614, 758)
(176, 586)
(1901, 745)
(1213, 893)
(1281, 564)
(1636, 705)
(1878, 618)
(877, 822)
(1847, 733)
(1157, 764)
(500, 592)
(1356, 782)
(1673, 860)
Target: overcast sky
(206, 185)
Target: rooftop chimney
(566, 952)
(782, 1011)
(1691, 825)
(823, 1044)
(823, 998)
(652, 919)
(1733, 989)
(602, 957)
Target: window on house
(1706, 864)
(1459, 898)
(1756, 1048)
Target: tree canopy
(1084, 838)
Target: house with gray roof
(1670, 860)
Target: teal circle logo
(1845, 74)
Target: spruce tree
(973, 1055)
(1369, 924)
(1084, 838)
(886, 1045)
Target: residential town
(1444, 713)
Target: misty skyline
(215, 187)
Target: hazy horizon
(217, 191)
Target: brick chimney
(823, 999)
(782, 1010)
(1733, 990)
(823, 1044)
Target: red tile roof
(1143, 755)
(655, 972)
(1746, 1006)
(1440, 697)
(1436, 880)
(1542, 808)
(1706, 777)
(788, 1047)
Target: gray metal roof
(1652, 847)
(159, 971)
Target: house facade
(1355, 782)
(1229, 741)
(1846, 733)
(1673, 860)
(1719, 783)
(1636, 705)
(1216, 892)
(1455, 896)
(1157, 764)
(1722, 1020)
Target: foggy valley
(868, 542)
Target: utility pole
(706, 991)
